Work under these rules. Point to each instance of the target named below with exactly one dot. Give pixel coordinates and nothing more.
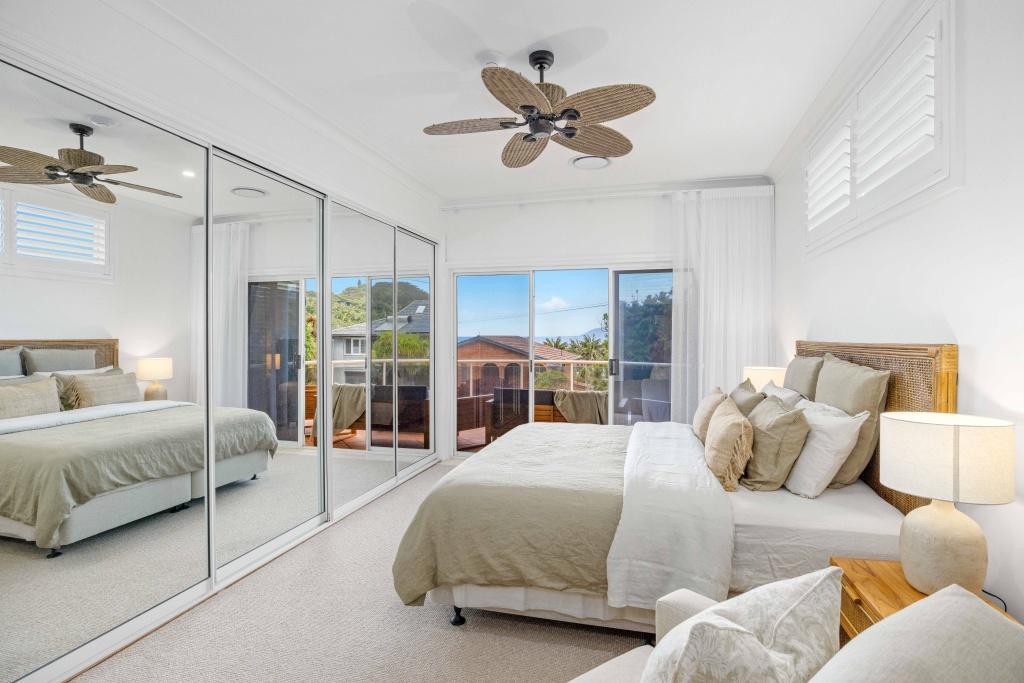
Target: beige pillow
(727, 448)
(66, 389)
(31, 398)
(779, 435)
(854, 389)
(21, 379)
(86, 391)
(55, 360)
(702, 417)
(802, 375)
(746, 396)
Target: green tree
(589, 347)
(556, 343)
(410, 347)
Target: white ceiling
(732, 76)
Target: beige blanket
(583, 407)
(45, 472)
(520, 513)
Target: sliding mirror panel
(642, 347)
(101, 361)
(414, 263)
(361, 268)
(492, 357)
(571, 346)
(264, 257)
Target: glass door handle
(613, 367)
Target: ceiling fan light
(590, 163)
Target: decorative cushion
(779, 435)
(50, 360)
(948, 637)
(833, 435)
(787, 396)
(10, 362)
(782, 631)
(706, 408)
(802, 375)
(728, 446)
(854, 388)
(85, 391)
(68, 394)
(20, 379)
(31, 398)
(746, 396)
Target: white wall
(949, 272)
(146, 307)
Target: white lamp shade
(759, 376)
(959, 458)
(154, 368)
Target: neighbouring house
(349, 344)
(489, 361)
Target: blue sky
(569, 303)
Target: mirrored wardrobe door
(414, 264)
(361, 267)
(101, 251)
(264, 256)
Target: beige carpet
(326, 611)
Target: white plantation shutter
(63, 236)
(827, 178)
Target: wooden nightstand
(872, 590)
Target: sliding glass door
(413, 348)
(641, 364)
(276, 336)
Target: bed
(775, 534)
(70, 475)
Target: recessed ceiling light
(188, 174)
(590, 163)
(249, 192)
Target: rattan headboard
(923, 379)
(106, 349)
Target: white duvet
(676, 526)
(13, 425)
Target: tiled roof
(521, 346)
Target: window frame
(13, 264)
(938, 172)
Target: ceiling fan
(544, 106)
(80, 167)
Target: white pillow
(948, 637)
(90, 371)
(789, 397)
(782, 631)
(829, 443)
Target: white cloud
(555, 303)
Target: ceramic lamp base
(156, 392)
(940, 546)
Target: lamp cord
(993, 595)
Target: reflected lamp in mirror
(155, 369)
(949, 458)
(759, 376)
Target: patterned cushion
(31, 398)
(85, 391)
(782, 631)
(728, 446)
(779, 435)
(66, 390)
(746, 397)
(52, 360)
(702, 417)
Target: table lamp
(759, 376)
(155, 369)
(949, 458)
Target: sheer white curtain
(229, 283)
(724, 255)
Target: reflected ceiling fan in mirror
(544, 106)
(80, 167)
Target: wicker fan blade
(77, 158)
(133, 186)
(514, 90)
(518, 152)
(598, 141)
(27, 159)
(29, 176)
(607, 102)
(106, 169)
(467, 126)
(97, 192)
(552, 91)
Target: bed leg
(54, 552)
(458, 619)
(254, 478)
(649, 639)
(178, 508)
